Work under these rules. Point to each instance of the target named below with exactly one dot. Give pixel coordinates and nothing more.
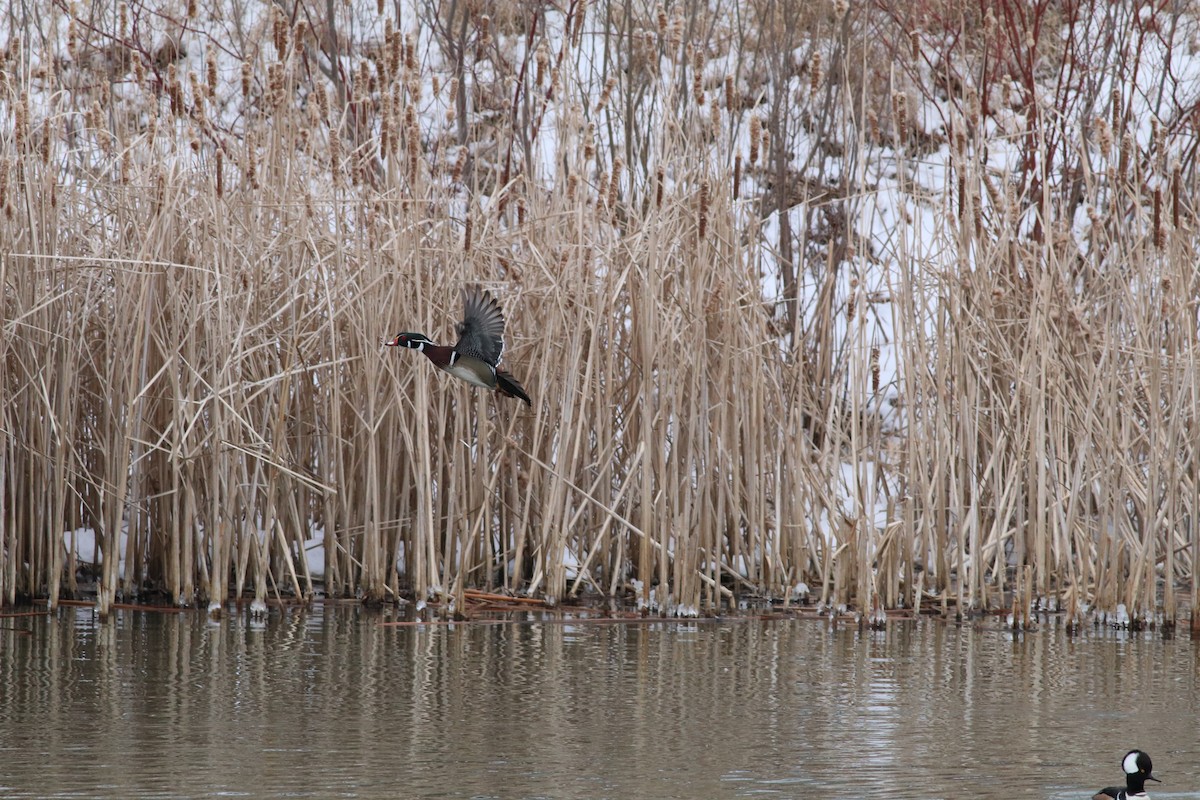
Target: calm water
(330, 703)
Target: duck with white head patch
(1137, 766)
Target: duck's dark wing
(481, 332)
(1110, 793)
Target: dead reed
(772, 351)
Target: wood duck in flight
(475, 357)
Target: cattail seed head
(220, 172)
(737, 175)
(1104, 137)
(660, 175)
(731, 99)
(614, 182)
(246, 75)
(900, 116)
(543, 60)
(589, 142)
(815, 74)
(414, 153)
(1176, 204)
(661, 19)
(675, 31)
(755, 135)
(1160, 235)
(460, 164)
(468, 227)
(335, 156)
(606, 93)
(875, 370)
(580, 16)
(210, 74)
(279, 32)
(485, 31)
(703, 210)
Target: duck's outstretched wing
(481, 332)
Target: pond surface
(332, 703)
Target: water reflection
(330, 703)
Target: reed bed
(754, 375)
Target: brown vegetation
(208, 222)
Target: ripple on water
(329, 703)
